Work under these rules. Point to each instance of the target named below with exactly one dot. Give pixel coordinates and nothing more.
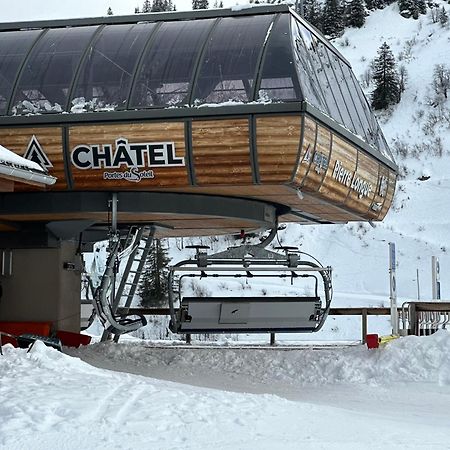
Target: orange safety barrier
(18, 328)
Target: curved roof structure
(180, 60)
(204, 122)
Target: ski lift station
(176, 124)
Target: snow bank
(409, 359)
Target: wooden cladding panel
(221, 152)
(307, 147)
(6, 184)
(50, 141)
(317, 161)
(389, 195)
(342, 165)
(380, 193)
(352, 178)
(363, 185)
(325, 212)
(277, 143)
(136, 133)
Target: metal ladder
(136, 249)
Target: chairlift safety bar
(248, 269)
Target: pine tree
(443, 17)
(386, 79)
(161, 5)
(110, 11)
(412, 8)
(157, 6)
(422, 6)
(332, 21)
(312, 12)
(415, 10)
(200, 4)
(402, 78)
(355, 14)
(441, 82)
(147, 6)
(154, 283)
(379, 4)
(406, 8)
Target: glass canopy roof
(270, 57)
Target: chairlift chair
(234, 314)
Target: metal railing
(423, 318)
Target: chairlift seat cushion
(249, 314)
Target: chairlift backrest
(249, 314)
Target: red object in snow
(69, 339)
(372, 341)
(18, 328)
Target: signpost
(436, 278)
(393, 285)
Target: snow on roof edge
(11, 158)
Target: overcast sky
(18, 10)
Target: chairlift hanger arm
(113, 323)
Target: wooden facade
(291, 160)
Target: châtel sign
(138, 158)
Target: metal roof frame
(150, 17)
(168, 17)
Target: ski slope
(142, 395)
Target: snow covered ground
(343, 398)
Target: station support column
(42, 285)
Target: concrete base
(43, 285)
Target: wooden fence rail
(363, 312)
